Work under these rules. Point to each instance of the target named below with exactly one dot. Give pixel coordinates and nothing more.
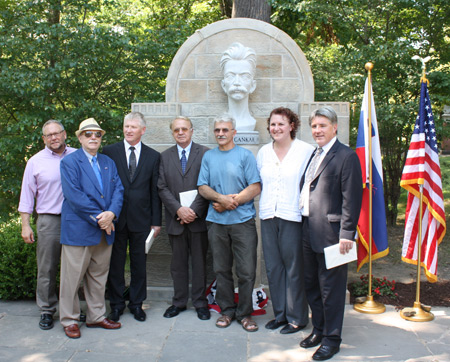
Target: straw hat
(89, 124)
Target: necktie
(132, 163)
(97, 172)
(313, 166)
(183, 161)
(304, 195)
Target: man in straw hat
(93, 195)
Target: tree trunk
(255, 9)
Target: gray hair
(225, 118)
(237, 51)
(50, 121)
(135, 115)
(327, 112)
(183, 118)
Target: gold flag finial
(369, 66)
(424, 61)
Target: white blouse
(281, 180)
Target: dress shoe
(274, 324)
(311, 341)
(324, 353)
(72, 331)
(173, 311)
(289, 328)
(138, 313)
(46, 321)
(105, 324)
(203, 313)
(82, 317)
(115, 314)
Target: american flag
(422, 168)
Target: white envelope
(149, 241)
(334, 258)
(187, 197)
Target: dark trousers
(138, 259)
(283, 253)
(236, 242)
(325, 291)
(184, 245)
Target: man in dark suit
(137, 165)
(93, 197)
(330, 201)
(185, 224)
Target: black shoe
(274, 324)
(173, 311)
(324, 353)
(289, 328)
(202, 313)
(115, 314)
(46, 321)
(311, 341)
(138, 313)
(82, 317)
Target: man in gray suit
(185, 224)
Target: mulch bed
(432, 294)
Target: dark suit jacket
(141, 204)
(172, 181)
(335, 198)
(84, 200)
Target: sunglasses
(89, 134)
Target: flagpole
(369, 305)
(419, 312)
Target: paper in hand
(334, 258)
(149, 241)
(188, 197)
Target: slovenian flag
(379, 229)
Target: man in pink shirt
(42, 182)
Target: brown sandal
(249, 324)
(223, 321)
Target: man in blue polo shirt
(229, 179)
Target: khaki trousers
(90, 263)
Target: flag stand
(369, 305)
(418, 313)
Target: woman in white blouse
(281, 164)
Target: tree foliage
(70, 60)
(340, 37)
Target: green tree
(340, 37)
(70, 60)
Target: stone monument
(273, 72)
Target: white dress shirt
(281, 180)
(137, 151)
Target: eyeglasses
(181, 129)
(51, 135)
(224, 130)
(89, 134)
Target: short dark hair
(291, 117)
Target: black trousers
(325, 292)
(138, 259)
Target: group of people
(92, 207)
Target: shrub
(18, 268)
(382, 287)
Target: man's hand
(109, 229)
(186, 215)
(157, 230)
(105, 219)
(218, 207)
(345, 246)
(228, 202)
(27, 234)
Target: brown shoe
(72, 331)
(105, 323)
